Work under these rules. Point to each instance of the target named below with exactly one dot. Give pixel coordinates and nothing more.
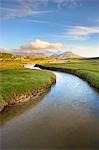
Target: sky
(50, 26)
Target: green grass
(84, 68)
(17, 81)
(80, 64)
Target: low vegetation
(87, 69)
(18, 82)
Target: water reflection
(67, 117)
(11, 112)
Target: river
(65, 117)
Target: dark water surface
(66, 117)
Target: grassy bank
(18, 83)
(86, 69)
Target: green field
(87, 69)
(17, 81)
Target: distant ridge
(94, 58)
(5, 55)
(36, 55)
(29, 55)
(66, 55)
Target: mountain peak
(66, 55)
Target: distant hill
(8, 56)
(36, 55)
(94, 58)
(66, 55)
(5, 55)
(30, 54)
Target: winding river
(65, 117)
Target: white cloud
(81, 32)
(36, 21)
(31, 7)
(37, 3)
(40, 44)
(69, 3)
(43, 47)
(61, 2)
(21, 12)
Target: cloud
(40, 47)
(23, 8)
(81, 32)
(36, 21)
(40, 44)
(21, 12)
(69, 3)
(37, 3)
(57, 2)
(84, 51)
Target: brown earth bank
(73, 71)
(28, 96)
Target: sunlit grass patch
(17, 81)
(85, 68)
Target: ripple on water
(65, 117)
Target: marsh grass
(87, 69)
(17, 81)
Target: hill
(5, 55)
(36, 55)
(66, 55)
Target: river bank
(29, 96)
(19, 85)
(87, 74)
(67, 117)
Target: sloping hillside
(66, 55)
